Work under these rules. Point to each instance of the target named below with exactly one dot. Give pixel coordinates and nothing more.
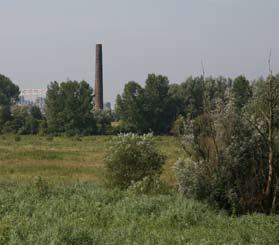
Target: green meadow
(51, 192)
(66, 160)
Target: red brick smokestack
(99, 103)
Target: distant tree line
(68, 110)
(16, 119)
(158, 107)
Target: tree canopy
(149, 108)
(69, 108)
(9, 93)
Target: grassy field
(66, 160)
(68, 204)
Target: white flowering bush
(149, 185)
(130, 158)
(186, 174)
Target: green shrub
(186, 173)
(226, 162)
(131, 157)
(178, 126)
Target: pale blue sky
(46, 40)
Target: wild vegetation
(154, 108)
(51, 192)
(130, 158)
(89, 214)
(232, 150)
(68, 111)
(225, 154)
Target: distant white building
(33, 97)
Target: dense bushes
(232, 158)
(234, 177)
(130, 158)
(25, 120)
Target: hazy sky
(46, 40)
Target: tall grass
(88, 214)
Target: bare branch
(269, 62)
(257, 128)
(203, 71)
(264, 115)
(207, 111)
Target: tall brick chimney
(99, 103)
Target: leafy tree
(262, 115)
(54, 108)
(36, 113)
(242, 91)
(130, 106)
(69, 108)
(158, 104)
(151, 108)
(24, 120)
(9, 93)
(103, 121)
(188, 96)
(119, 108)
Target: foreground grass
(66, 159)
(70, 207)
(88, 214)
